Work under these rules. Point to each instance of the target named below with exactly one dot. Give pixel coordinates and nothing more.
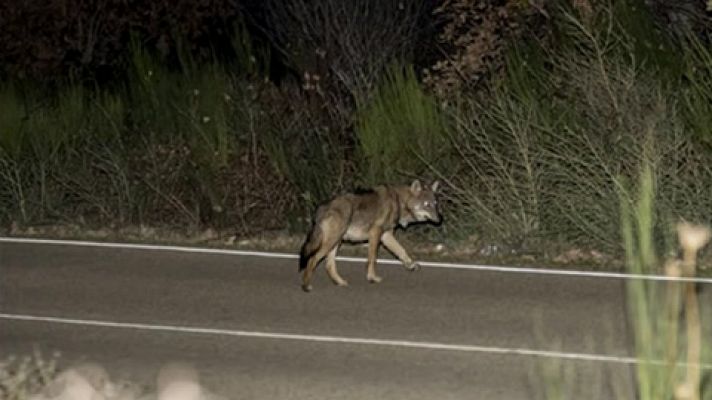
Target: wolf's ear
(416, 187)
(435, 186)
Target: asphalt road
(437, 333)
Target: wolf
(367, 216)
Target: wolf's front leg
(373, 243)
(389, 240)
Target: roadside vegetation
(669, 325)
(533, 117)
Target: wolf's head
(422, 203)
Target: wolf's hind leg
(331, 268)
(332, 232)
(309, 271)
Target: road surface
(243, 321)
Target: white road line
(328, 339)
(430, 264)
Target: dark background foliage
(245, 115)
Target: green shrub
(497, 187)
(696, 87)
(400, 130)
(543, 153)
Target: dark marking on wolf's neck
(361, 190)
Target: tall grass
(543, 153)
(190, 109)
(697, 87)
(11, 120)
(36, 131)
(498, 185)
(670, 332)
(161, 148)
(400, 130)
(191, 105)
(655, 311)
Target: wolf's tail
(310, 246)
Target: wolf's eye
(426, 203)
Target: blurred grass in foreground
(671, 337)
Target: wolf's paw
(307, 288)
(413, 266)
(374, 279)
